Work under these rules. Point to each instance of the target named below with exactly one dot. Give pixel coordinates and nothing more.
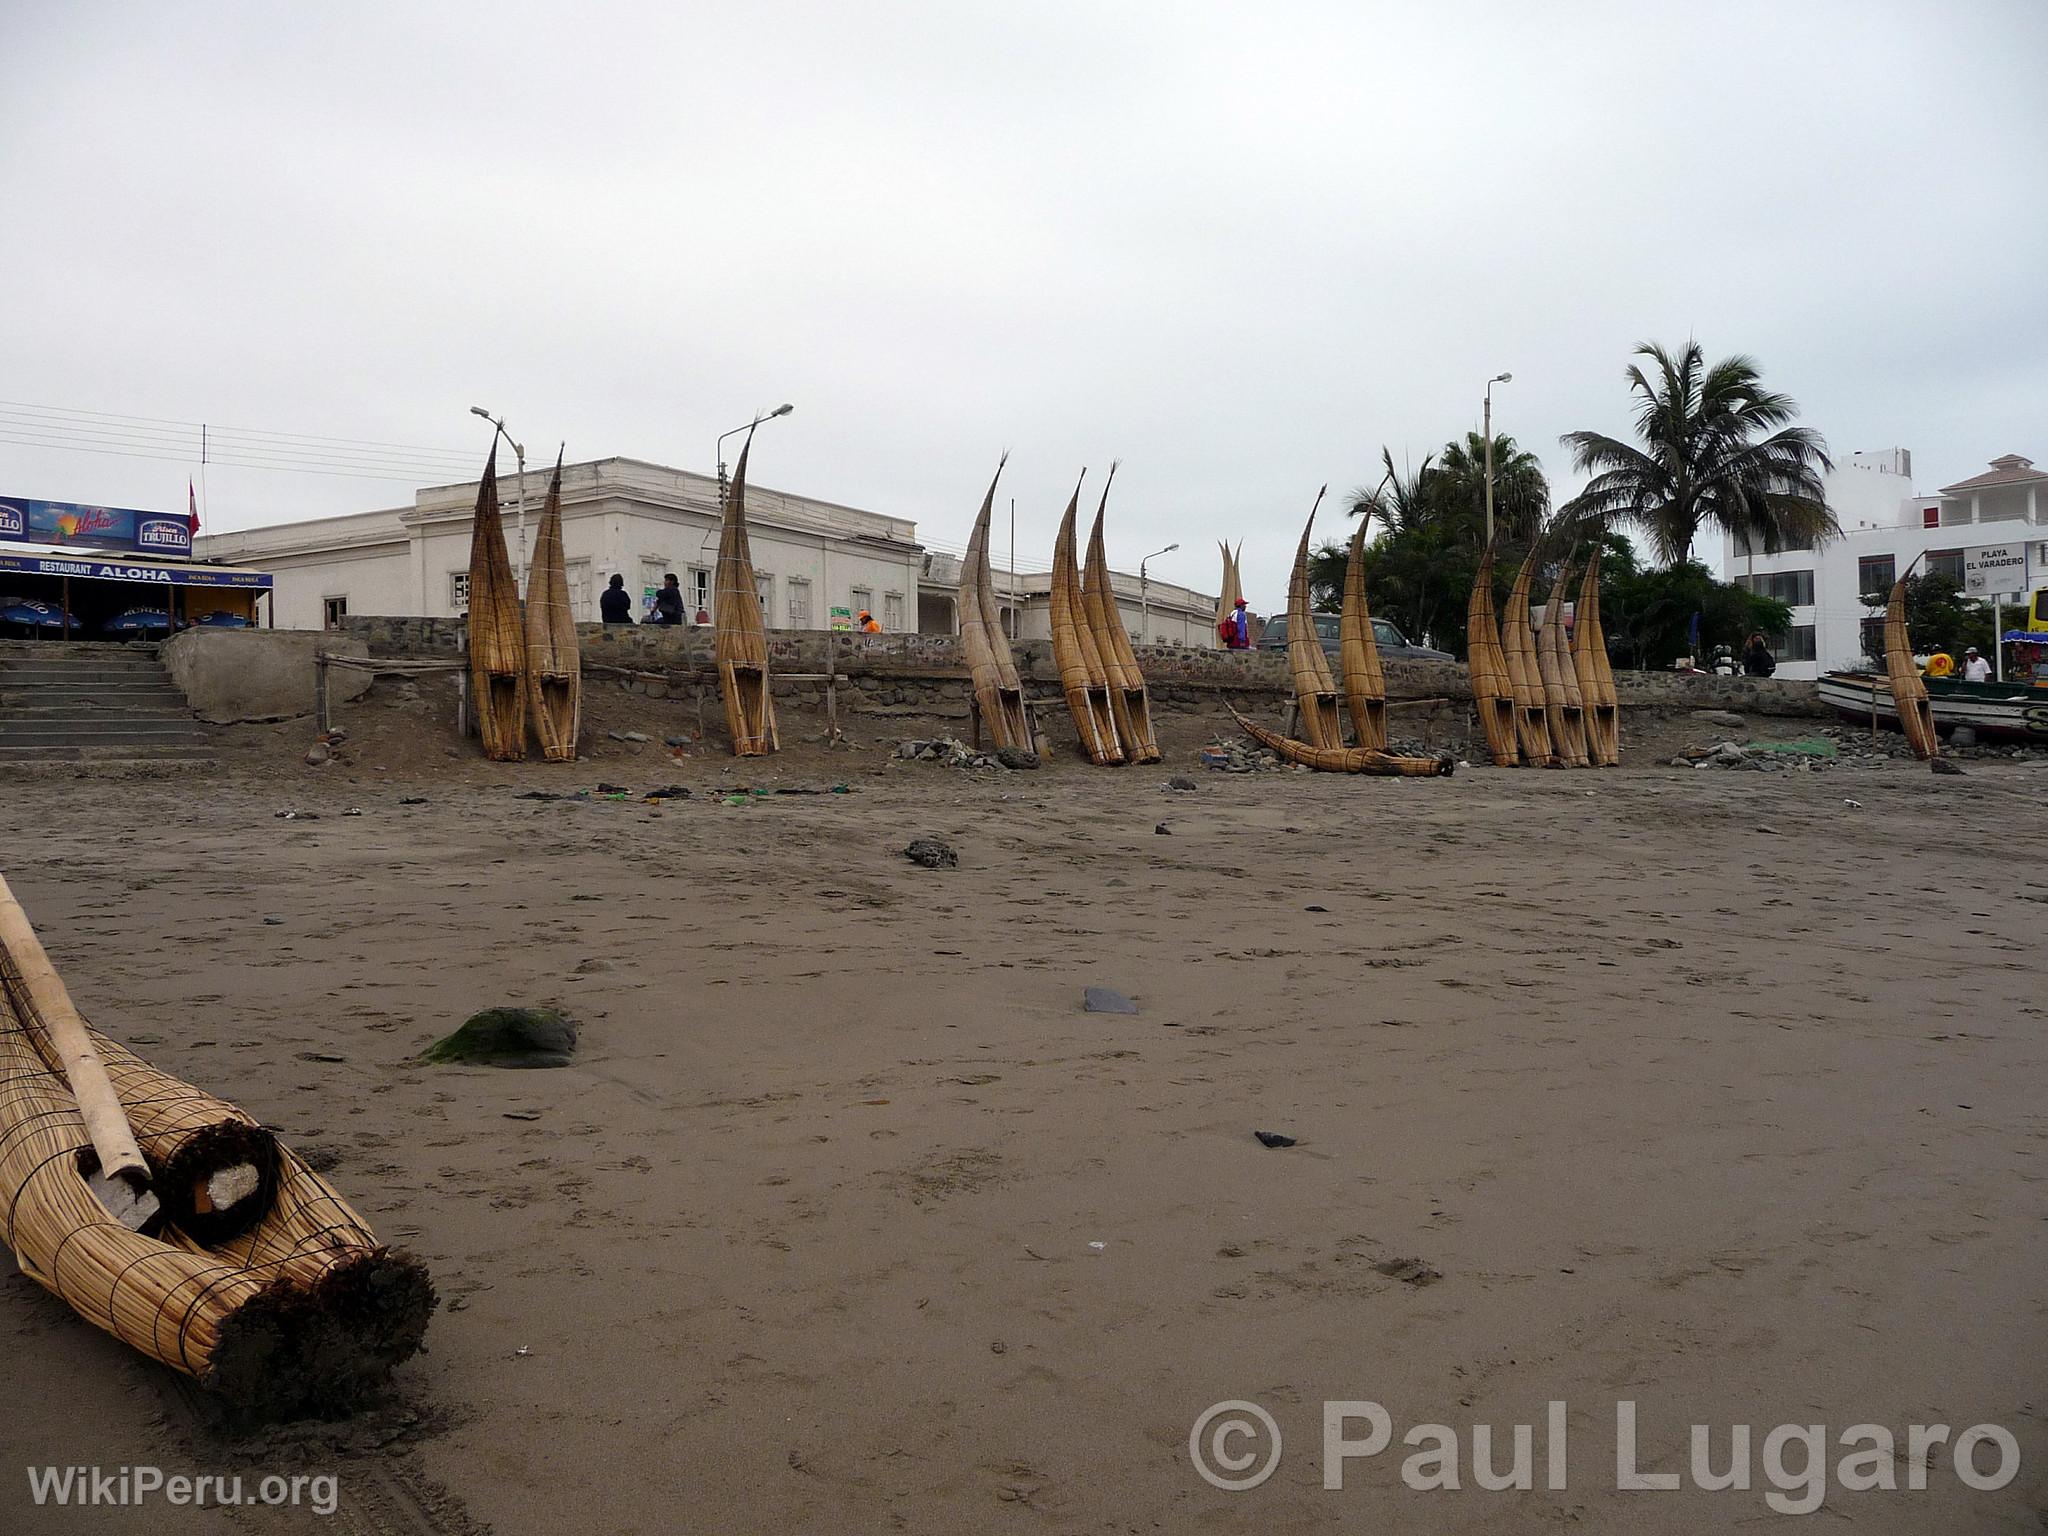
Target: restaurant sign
(124, 570)
(70, 524)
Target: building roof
(2006, 469)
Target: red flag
(191, 506)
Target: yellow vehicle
(2037, 611)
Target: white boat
(1995, 711)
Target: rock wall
(235, 675)
(908, 671)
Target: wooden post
(320, 719)
(66, 599)
(462, 702)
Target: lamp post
(1145, 593)
(519, 453)
(781, 410)
(1498, 378)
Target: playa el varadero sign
(72, 524)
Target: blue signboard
(70, 523)
(111, 570)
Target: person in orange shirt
(868, 626)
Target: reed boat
(1345, 759)
(998, 691)
(1493, 695)
(497, 635)
(1365, 682)
(2011, 711)
(1083, 677)
(1564, 714)
(1129, 699)
(1525, 675)
(1595, 671)
(1909, 694)
(254, 1276)
(739, 635)
(1315, 690)
(1232, 588)
(554, 663)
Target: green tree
(1647, 613)
(1938, 618)
(1716, 448)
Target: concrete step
(115, 733)
(82, 677)
(51, 760)
(110, 693)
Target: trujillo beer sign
(69, 525)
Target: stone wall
(906, 671)
(238, 675)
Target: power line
(414, 476)
(146, 425)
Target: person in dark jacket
(1757, 660)
(615, 605)
(668, 602)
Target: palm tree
(1717, 448)
(1521, 495)
(1398, 501)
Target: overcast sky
(1237, 247)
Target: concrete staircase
(93, 703)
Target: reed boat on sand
(1564, 713)
(1909, 694)
(256, 1278)
(1083, 677)
(497, 634)
(998, 691)
(1493, 695)
(1365, 683)
(739, 637)
(1315, 690)
(1595, 672)
(1346, 759)
(554, 664)
(1525, 675)
(1129, 699)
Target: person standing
(668, 602)
(1975, 668)
(1757, 660)
(868, 626)
(615, 606)
(1236, 629)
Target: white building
(817, 564)
(1885, 525)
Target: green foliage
(1647, 613)
(1938, 618)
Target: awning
(121, 570)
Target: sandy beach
(1716, 1093)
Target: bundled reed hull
(1365, 683)
(1563, 713)
(739, 637)
(1233, 588)
(1129, 699)
(1315, 690)
(497, 635)
(1909, 694)
(1083, 676)
(299, 1308)
(1525, 677)
(554, 661)
(1596, 672)
(1492, 694)
(998, 691)
(1346, 759)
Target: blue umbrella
(30, 613)
(223, 621)
(138, 621)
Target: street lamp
(781, 410)
(518, 452)
(1498, 378)
(1145, 592)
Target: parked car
(1393, 645)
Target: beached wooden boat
(497, 635)
(1909, 693)
(1129, 699)
(1365, 682)
(554, 662)
(256, 1278)
(1525, 676)
(998, 690)
(1564, 713)
(1315, 690)
(1345, 759)
(739, 635)
(2011, 711)
(1083, 677)
(1493, 696)
(1595, 671)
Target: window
(579, 591)
(1794, 587)
(697, 589)
(799, 601)
(1946, 562)
(651, 572)
(1745, 546)
(1875, 574)
(764, 593)
(334, 610)
(1930, 517)
(1796, 644)
(458, 591)
(892, 612)
(861, 600)
(1873, 641)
